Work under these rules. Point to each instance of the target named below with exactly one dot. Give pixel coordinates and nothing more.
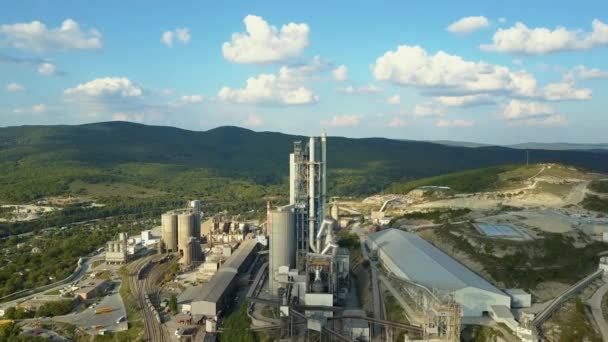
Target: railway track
(144, 277)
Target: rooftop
(425, 264)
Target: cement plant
(383, 268)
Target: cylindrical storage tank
(282, 243)
(184, 229)
(187, 257)
(335, 213)
(169, 231)
(196, 208)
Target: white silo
(169, 231)
(282, 243)
(196, 211)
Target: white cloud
(429, 109)
(397, 122)
(47, 69)
(458, 123)
(411, 65)
(269, 89)
(106, 87)
(517, 109)
(517, 61)
(180, 34)
(468, 24)
(263, 43)
(565, 90)
(394, 100)
(502, 20)
(367, 89)
(582, 72)
(14, 87)
(465, 101)
(342, 121)
(39, 108)
(253, 120)
(192, 99)
(37, 37)
(449, 75)
(535, 41)
(341, 73)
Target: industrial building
(409, 257)
(117, 251)
(305, 263)
(213, 297)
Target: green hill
(226, 163)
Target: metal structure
(196, 211)
(169, 231)
(308, 192)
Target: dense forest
(227, 164)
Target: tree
(173, 303)
(236, 327)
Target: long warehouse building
(215, 295)
(413, 259)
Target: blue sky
(472, 70)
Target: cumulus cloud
(14, 87)
(584, 73)
(551, 120)
(397, 122)
(565, 90)
(465, 101)
(106, 87)
(342, 121)
(468, 24)
(367, 89)
(458, 123)
(269, 89)
(502, 20)
(394, 100)
(449, 75)
(521, 39)
(179, 34)
(517, 109)
(253, 120)
(263, 43)
(47, 69)
(340, 73)
(192, 99)
(35, 36)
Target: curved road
(595, 303)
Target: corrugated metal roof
(425, 264)
(216, 287)
(238, 257)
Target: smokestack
(311, 194)
(323, 199)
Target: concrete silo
(169, 231)
(185, 221)
(281, 223)
(196, 211)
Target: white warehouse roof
(425, 264)
(410, 257)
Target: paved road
(596, 308)
(87, 318)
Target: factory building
(117, 251)
(413, 259)
(214, 296)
